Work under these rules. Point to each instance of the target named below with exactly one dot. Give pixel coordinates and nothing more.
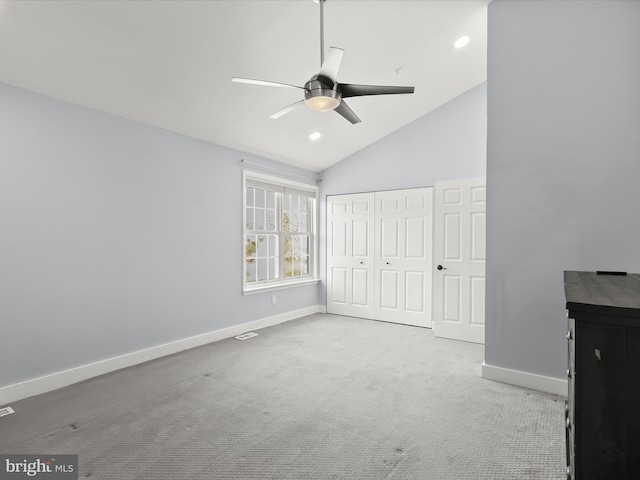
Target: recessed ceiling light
(461, 42)
(315, 136)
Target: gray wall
(563, 165)
(446, 144)
(114, 237)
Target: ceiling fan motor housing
(321, 96)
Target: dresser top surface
(593, 293)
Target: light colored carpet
(321, 397)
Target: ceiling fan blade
(353, 90)
(286, 110)
(331, 64)
(344, 110)
(263, 82)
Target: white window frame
(285, 186)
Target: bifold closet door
(350, 227)
(379, 255)
(403, 238)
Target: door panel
(339, 239)
(414, 292)
(452, 236)
(361, 206)
(360, 237)
(389, 237)
(416, 200)
(360, 287)
(452, 196)
(460, 248)
(478, 236)
(390, 205)
(414, 238)
(477, 300)
(479, 194)
(350, 259)
(452, 298)
(403, 256)
(339, 285)
(389, 289)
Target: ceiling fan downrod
(321, 2)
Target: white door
(460, 238)
(350, 226)
(403, 256)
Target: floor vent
(6, 411)
(244, 336)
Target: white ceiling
(169, 64)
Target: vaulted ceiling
(169, 64)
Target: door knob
(440, 267)
(388, 263)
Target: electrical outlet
(274, 299)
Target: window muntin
(279, 232)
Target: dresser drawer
(570, 403)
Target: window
(279, 232)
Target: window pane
(286, 222)
(274, 272)
(259, 220)
(293, 220)
(288, 245)
(303, 245)
(249, 220)
(299, 245)
(251, 271)
(250, 263)
(263, 246)
(273, 246)
(263, 269)
(250, 248)
(249, 197)
(288, 267)
(271, 221)
(260, 197)
(271, 200)
(286, 201)
(304, 205)
(302, 219)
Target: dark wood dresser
(603, 406)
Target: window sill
(280, 286)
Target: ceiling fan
(323, 92)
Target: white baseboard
(557, 386)
(57, 380)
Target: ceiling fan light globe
(322, 103)
(320, 98)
